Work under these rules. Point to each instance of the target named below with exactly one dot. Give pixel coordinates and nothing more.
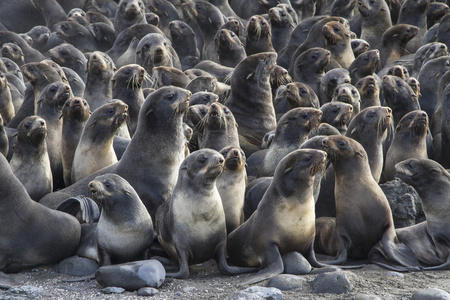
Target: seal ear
(359, 153)
(288, 170)
(250, 75)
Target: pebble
(27, 290)
(147, 291)
(113, 290)
(332, 283)
(295, 263)
(258, 293)
(286, 282)
(365, 297)
(431, 294)
(325, 270)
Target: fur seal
(282, 24)
(231, 186)
(77, 35)
(51, 11)
(129, 13)
(393, 42)
(414, 12)
(14, 53)
(184, 42)
(288, 202)
(4, 142)
(409, 141)
(369, 91)
(250, 8)
(206, 98)
(399, 71)
(155, 50)
(337, 114)
(204, 225)
(426, 53)
(220, 128)
(194, 119)
(30, 162)
(230, 49)
(104, 35)
(375, 20)
(250, 99)
(428, 240)
(74, 115)
(330, 81)
(338, 42)
(95, 149)
(258, 37)
(296, 94)
(31, 54)
(100, 70)
(309, 67)
(347, 93)
(125, 228)
(170, 76)
(399, 96)
(127, 86)
(359, 46)
(343, 236)
(49, 107)
(364, 65)
(7, 109)
(29, 240)
(67, 55)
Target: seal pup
(294, 94)
(369, 91)
(100, 70)
(30, 162)
(338, 42)
(414, 12)
(184, 42)
(129, 13)
(49, 107)
(7, 109)
(281, 24)
(95, 149)
(258, 38)
(14, 53)
(359, 46)
(127, 86)
(191, 224)
(219, 128)
(347, 93)
(428, 240)
(393, 42)
(74, 116)
(426, 53)
(125, 228)
(399, 71)
(250, 99)
(4, 142)
(330, 81)
(337, 114)
(31, 54)
(409, 141)
(67, 55)
(229, 48)
(375, 20)
(289, 203)
(231, 186)
(77, 35)
(344, 236)
(364, 65)
(170, 76)
(29, 240)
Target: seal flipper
(223, 266)
(392, 254)
(273, 266)
(90, 212)
(183, 273)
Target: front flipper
(90, 212)
(223, 266)
(183, 273)
(272, 265)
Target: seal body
(289, 203)
(125, 228)
(30, 162)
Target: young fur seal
(191, 223)
(284, 219)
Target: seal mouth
(344, 98)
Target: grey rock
(133, 275)
(395, 274)
(325, 270)
(258, 293)
(332, 283)
(431, 294)
(77, 266)
(365, 297)
(147, 291)
(405, 203)
(188, 289)
(113, 290)
(295, 263)
(27, 290)
(7, 281)
(286, 282)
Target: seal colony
(188, 167)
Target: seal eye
(341, 144)
(335, 110)
(53, 88)
(370, 115)
(303, 90)
(170, 96)
(225, 110)
(308, 158)
(336, 28)
(28, 124)
(107, 183)
(124, 3)
(399, 83)
(305, 115)
(111, 111)
(202, 160)
(354, 92)
(411, 117)
(432, 49)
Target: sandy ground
(205, 282)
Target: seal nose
(77, 101)
(235, 152)
(42, 122)
(424, 114)
(221, 160)
(389, 110)
(213, 106)
(350, 108)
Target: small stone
(77, 266)
(286, 282)
(178, 294)
(258, 293)
(325, 270)
(295, 263)
(431, 294)
(365, 297)
(113, 290)
(28, 291)
(332, 283)
(188, 289)
(147, 291)
(395, 274)
(7, 281)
